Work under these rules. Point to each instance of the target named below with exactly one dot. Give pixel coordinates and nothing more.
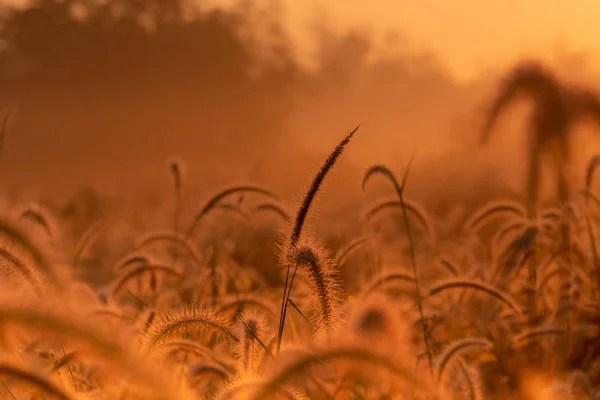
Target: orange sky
(468, 35)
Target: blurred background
(108, 90)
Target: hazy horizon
(107, 135)
(469, 37)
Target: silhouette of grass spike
(299, 223)
(557, 107)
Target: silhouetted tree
(151, 54)
(123, 39)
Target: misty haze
(200, 202)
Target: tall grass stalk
(299, 223)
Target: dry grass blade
(410, 206)
(453, 348)
(175, 238)
(202, 367)
(139, 270)
(295, 306)
(542, 331)
(345, 251)
(276, 208)
(387, 277)
(492, 209)
(479, 286)
(87, 238)
(236, 209)
(40, 216)
(214, 200)
(133, 258)
(381, 170)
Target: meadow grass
(504, 308)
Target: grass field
(238, 299)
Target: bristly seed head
(315, 267)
